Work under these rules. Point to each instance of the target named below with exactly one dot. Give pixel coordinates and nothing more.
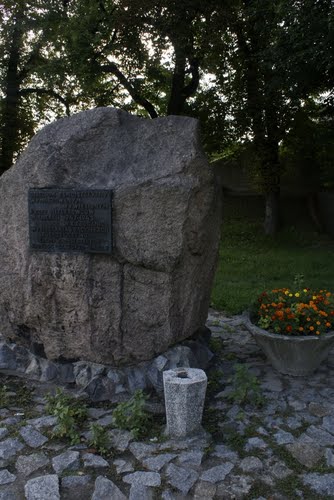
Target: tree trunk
(271, 219)
(10, 114)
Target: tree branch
(51, 93)
(113, 68)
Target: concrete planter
(292, 355)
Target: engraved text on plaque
(70, 220)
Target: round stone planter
(293, 355)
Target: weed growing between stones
(100, 439)
(132, 416)
(4, 396)
(214, 381)
(70, 413)
(216, 345)
(245, 387)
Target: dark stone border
(102, 382)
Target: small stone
(293, 422)
(45, 421)
(32, 437)
(318, 410)
(123, 466)
(191, 458)
(255, 442)
(6, 477)
(92, 460)
(308, 454)
(120, 439)
(105, 421)
(204, 490)
(27, 464)
(3, 432)
(237, 487)
(142, 450)
(182, 479)
(158, 462)
(97, 413)
(320, 436)
(218, 473)
(42, 488)
(251, 464)
(9, 448)
(328, 424)
(70, 460)
(329, 455)
(140, 492)
(70, 482)
(323, 484)
(224, 452)
(296, 404)
(143, 478)
(283, 437)
(107, 490)
(280, 470)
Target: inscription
(70, 220)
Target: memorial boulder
(109, 231)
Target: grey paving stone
(91, 460)
(9, 448)
(318, 410)
(140, 492)
(204, 490)
(70, 482)
(323, 484)
(3, 432)
(320, 436)
(328, 424)
(180, 478)
(283, 437)
(143, 478)
(190, 458)
(123, 466)
(142, 450)
(296, 404)
(293, 422)
(225, 453)
(236, 487)
(254, 443)
(69, 460)
(6, 477)
(105, 421)
(27, 464)
(308, 454)
(107, 490)
(329, 456)
(120, 439)
(218, 473)
(44, 421)
(251, 464)
(97, 413)
(43, 488)
(158, 462)
(32, 437)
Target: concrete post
(184, 390)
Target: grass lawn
(250, 262)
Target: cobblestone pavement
(281, 449)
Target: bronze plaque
(70, 220)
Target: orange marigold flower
(317, 332)
(289, 328)
(328, 324)
(301, 329)
(311, 328)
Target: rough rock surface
(154, 289)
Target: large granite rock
(154, 289)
